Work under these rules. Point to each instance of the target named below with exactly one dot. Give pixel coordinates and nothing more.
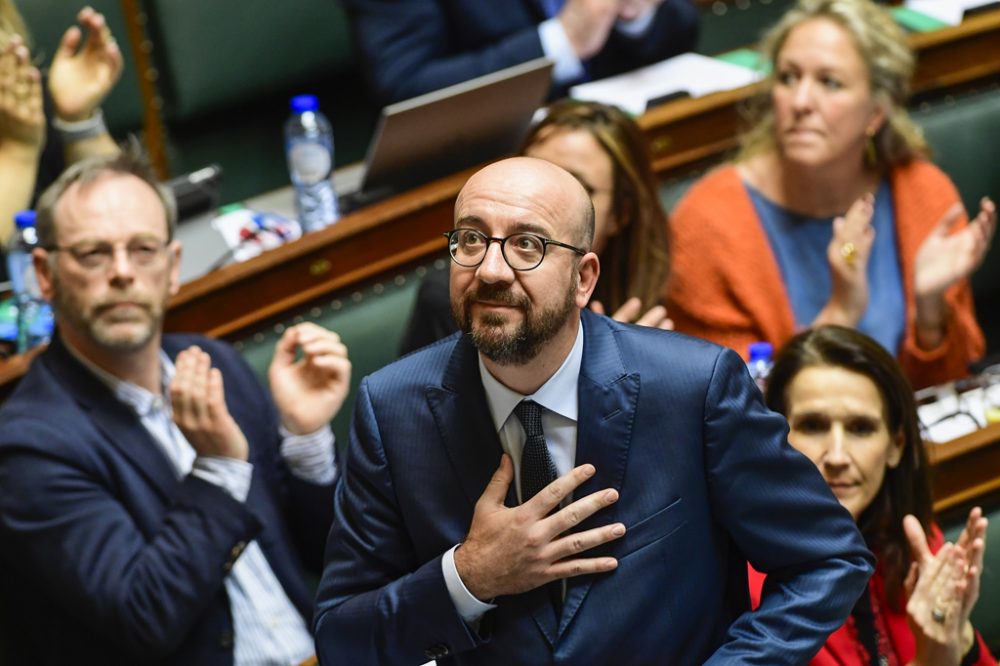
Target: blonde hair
(881, 43)
(11, 24)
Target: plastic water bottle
(760, 363)
(34, 315)
(309, 147)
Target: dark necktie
(537, 470)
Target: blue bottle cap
(761, 351)
(24, 219)
(303, 103)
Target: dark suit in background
(108, 557)
(707, 481)
(411, 47)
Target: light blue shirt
(799, 244)
(558, 396)
(268, 628)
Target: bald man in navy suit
(552, 486)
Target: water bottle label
(310, 161)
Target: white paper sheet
(694, 74)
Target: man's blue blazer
(707, 482)
(106, 557)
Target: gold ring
(937, 615)
(849, 253)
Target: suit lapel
(464, 422)
(114, 419)
(607, 396)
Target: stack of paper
(690, 73)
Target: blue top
(799, 244)
(304, 103)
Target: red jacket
(725, 284)
(843, 647)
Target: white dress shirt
(558, 396)
(268, 628)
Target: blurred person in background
(831, 213)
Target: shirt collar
(138, 398)
(558, 394)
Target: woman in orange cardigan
(830, 213)
(851, 411)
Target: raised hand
(587, 24)
(940, 594)
(22, 119)
(514, 550)
(84, 70)
(944, 257)
(199, 407)
(309, 390)
(847, 254)
(655, 317)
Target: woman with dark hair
(831, 212)
(851, 411)
(607, 153)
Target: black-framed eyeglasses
(522, 251)
(98, 256)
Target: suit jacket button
(226, 640)
(437, 651)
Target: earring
(871, 154)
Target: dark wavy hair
(635, 262)
(907, 487)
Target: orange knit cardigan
(726, 286)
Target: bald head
(530, 183)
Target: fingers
(553, 494)
(597, 307)
(628, 311)
(575, 513)
(655, 317)
(198, 401)
(917, 539)
(580, 567)
(499, 485)
(948, 220)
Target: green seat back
(731, 25)
(217, 53)
(48, 20)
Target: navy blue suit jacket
(106, 556)
(411, 47)
(707, 481)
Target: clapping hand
(848, 253)
(514, 550)
(944, 257)
(22, 119)
(655, 317)
(198, 401)
(84, 70)
(309, 390)
(942, 591)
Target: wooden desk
(967, 469)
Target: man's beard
(526, 341)
(94, 322)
